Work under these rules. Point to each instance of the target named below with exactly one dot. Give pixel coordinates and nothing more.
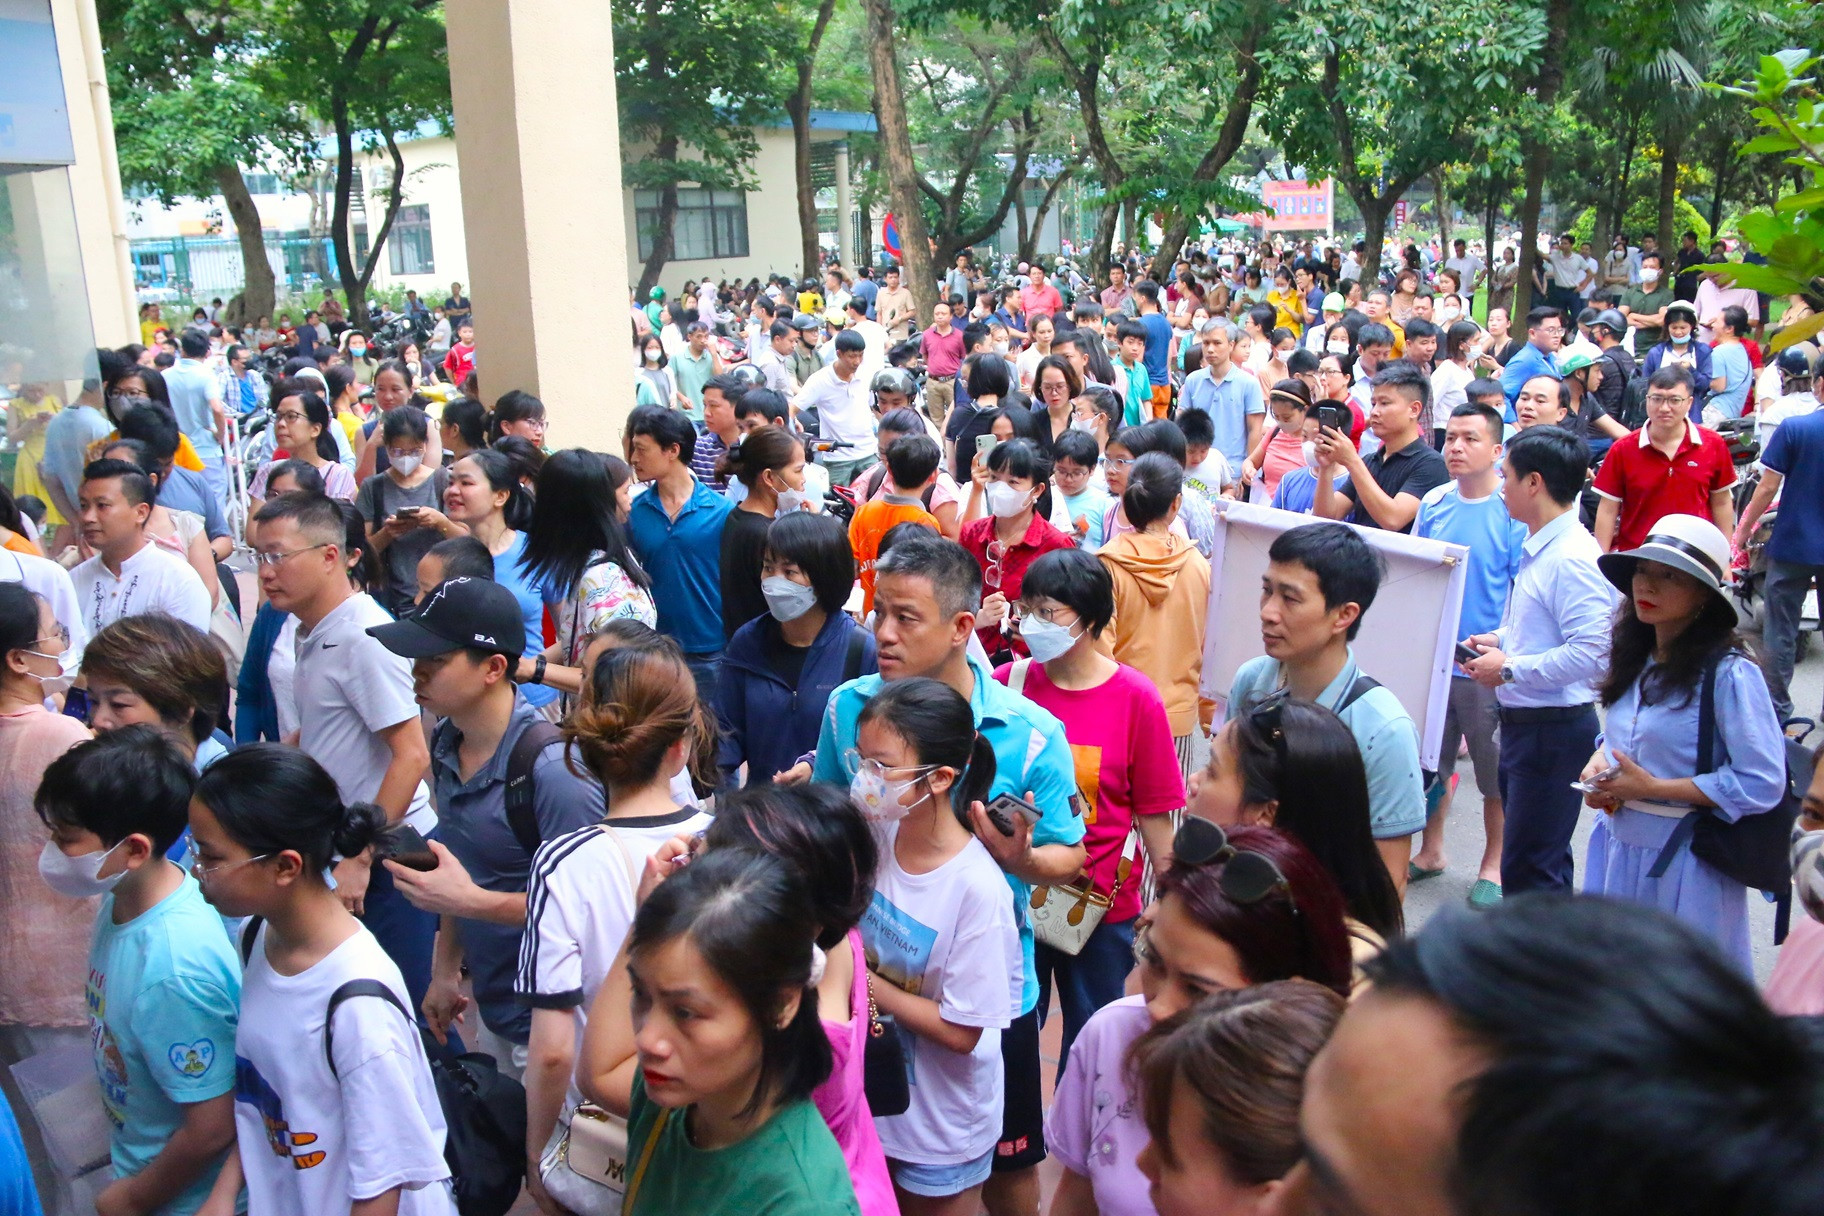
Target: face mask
(1045, 640)
(1337, 348)
(1005, 502)
(1648, 275)
(652, 356)
(406, 465)
(1679, 339)
(878, 798)
(786, 600)
(1082, 424)
(66, 672)
(791, 500)
(1310, 450)
(357, 351)
(76, 877)
(1000, 348)
(1808, 871)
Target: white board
(1408, 636)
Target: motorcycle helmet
(894, 380)
(748, 375)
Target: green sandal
(1418, 873)
(1484, 894)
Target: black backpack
(1755, 849)
(484, 1113)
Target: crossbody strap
(1016, 679)
(639, 1171)
(1706, 763)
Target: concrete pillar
(845, 208)
(538, 141)
(95, 175)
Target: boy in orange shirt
(912, 462)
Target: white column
(538, 141)
(845, 208)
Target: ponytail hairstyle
(528, 460)
(937, 723)
(1153, 485)
(270, 799)
(503, 478)
(745, 913)
(470, 418)
(636, 704)
(357, 550)
(766, 447)
(316, 412)
(817, 831)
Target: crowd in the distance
(752, 798)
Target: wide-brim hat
(1684, 542)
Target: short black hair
(1198, 427)
(850, 342)
(1303, 361)
(1484, 387)
(1076, 579)
(987, 376)
(1348, 569)
(463, 557)
(732, 387)
(1156, 435)
(1077, 446)
(667, 428)
(1542, 314)
(315, 515)
(405, 422)
(818, 545)
(1130, 329)
(155, 426)
(1020, 458)
(194, 342)
(134, 483)
(1673, 375)
(1373, 334)
(1560, 458)
(912, 458)
(1407, 377)
(1607, 1034)
(955, 577)
(1419, 327)
(764, 402)
(1497, 425)
(129, 780)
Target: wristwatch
(1507, 673)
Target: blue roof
(835, 120)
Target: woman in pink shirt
(1281, 447)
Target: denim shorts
(941, 1181)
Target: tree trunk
(1374, 232)
(665, 150)
(257, 294)
(798, 106)
(1130, 211)
(1029, 251)
(1488, 244)
(1022, 226)
(1441, 199)
(1668, 186)
(1102, 248)
(896, 156)
(1538, 155)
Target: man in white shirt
(1568, 270)
(1469, 270)
(839, 394)
(129, 574)
(1799, 396)
(357, 716)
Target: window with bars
(409, 244)
(709, 224)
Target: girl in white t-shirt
(334, 1109)
(941, 942)
(638, 723)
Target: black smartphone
(1467, 653)
(1004, 807)
(1337, 417)
(404, 845)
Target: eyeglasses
(1120, 462)
(1050, 615)
(61, 633)
(291, 416)
(1666, 399)
(991, 576)
(274, 558)
(1264, 715)
(200, 871)
(857, 763)
(1247, 877)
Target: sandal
(1418, 873)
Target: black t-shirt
(782, 658)
(743, 551)
(1415, 469)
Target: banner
(1399, 215)
(1297, 206)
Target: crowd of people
(716, 825)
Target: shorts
(940, 1181)
(1471, 714)
(1022, 1142)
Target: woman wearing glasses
(300, 427)
(1127, 773)
(1233, 910)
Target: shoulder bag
(883, 1061)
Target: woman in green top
(729, 1046)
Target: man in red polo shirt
(1040, 296)
(1672, 466)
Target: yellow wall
(95, 177)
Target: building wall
(95, 177)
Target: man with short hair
(457, 309)
(927, 594)
(719, 432)
(1117, 296)
(1320, 580)
(1568, 270)
(676, 530)
(357, 716)
(196, 399)
(1158, 346)
(463, 644)
(1039, 297)
(1689, 258)
(1377, 306)
(1228, 393)
(1716, 291)
(1544, 335)
(692, 368)
(1671, 466)
(1468, 268)
(774, 359)
(1546, 660)
(1468, 510)
(957, 280)
(129, 574)
(807, 357)
(893, 307)
(873, 336)
(1385, 487)
(941, 348)
(1549, 1057)
(839, 394)
(1615, 364)
(1644, 306)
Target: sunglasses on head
(1264, 715)
(1247, 877)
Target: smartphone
(1003, 808)
(408, 512)
(985, 444)
(1467, 653)
(404, 845)
(1590, 787)
(1337, 417)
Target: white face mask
(878, 798)
(1678, 339)
(1310, 449)
(66, 672)
(791, 500)
(1337, 348)
(1046, 640)
(1004, 501)
(1807, 856)
(76, 877)
(786, 600)
(406, 465)
(1000, 348)
(1649, 275)
(1082, 424)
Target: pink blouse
(44, 953)
(843, 1104)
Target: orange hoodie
(1162, 593)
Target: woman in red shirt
(1010, 538)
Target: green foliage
(1643, 219)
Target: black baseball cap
(462, 613)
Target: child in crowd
(1206, 468)
(1130, 372)
(912, 462)
(1085, 502)
(457, 557)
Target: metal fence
(199, 267)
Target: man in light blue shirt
(1547, 659)
(1230, 395)
(925, 602)
(1544, 335)
(1321, 578)
(1468, 511)
(196, 399)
